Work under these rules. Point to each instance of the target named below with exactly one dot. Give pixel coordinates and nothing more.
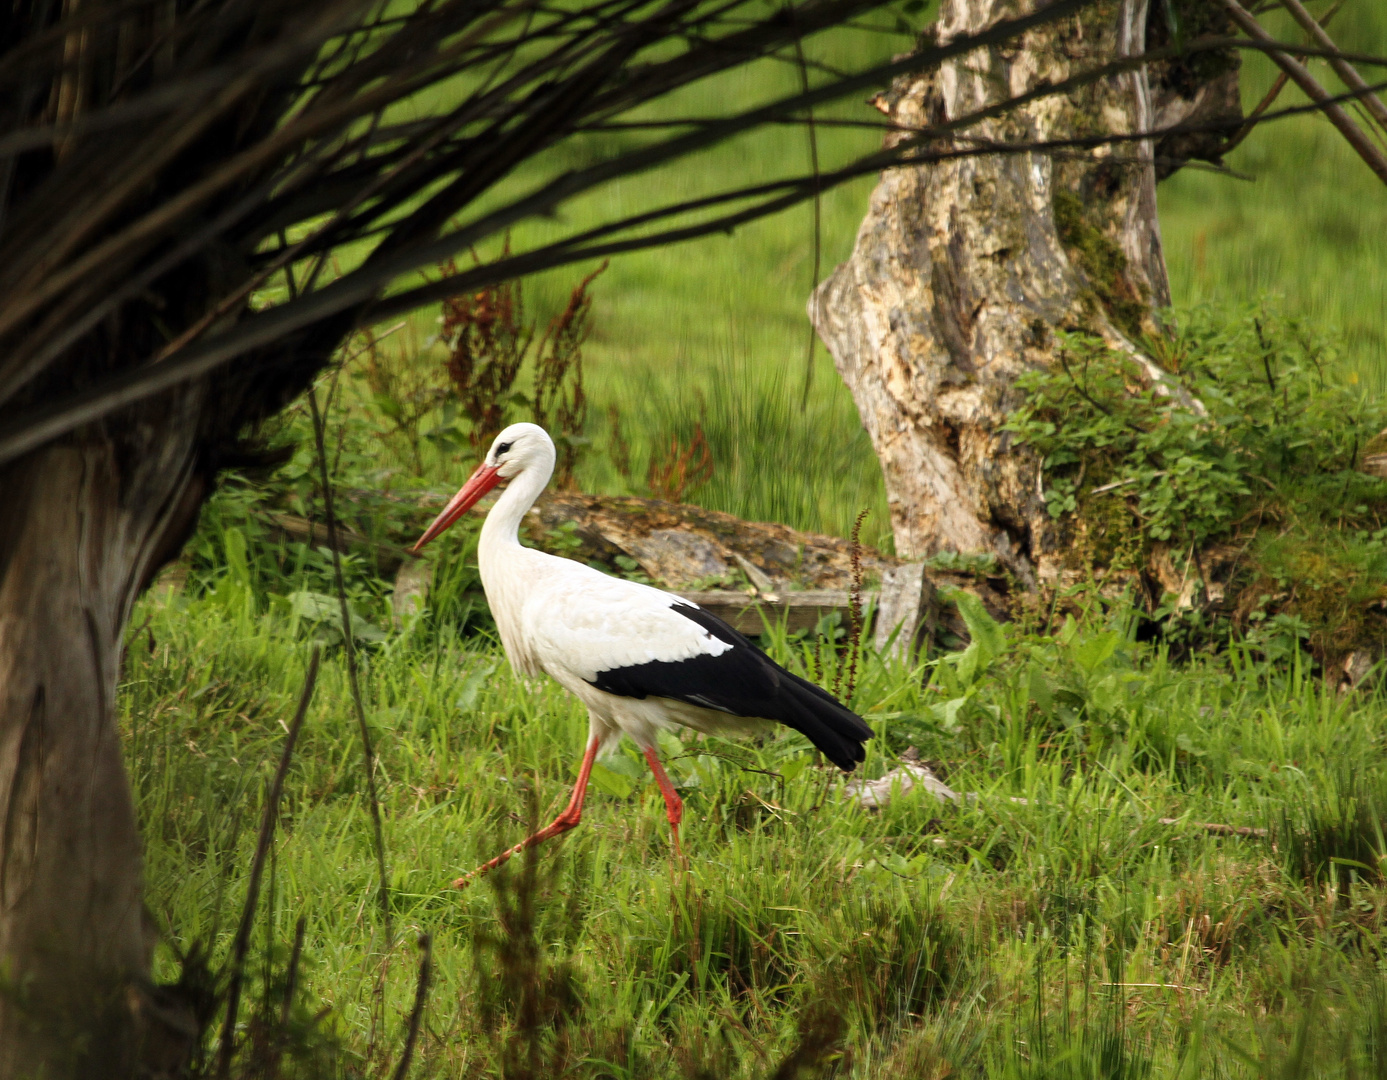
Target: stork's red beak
(478, 484)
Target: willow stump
(965, 268)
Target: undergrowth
(1241, 473)
(1074, 916)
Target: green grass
(1067, 935)
(1051, 926)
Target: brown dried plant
(560, 405)
(489, 339)
(618, 449)
(856, 623)
(403, 394)
(681, 469)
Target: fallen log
(750, 612)
(388, 557)
(749, 574)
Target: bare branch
(1342, 67)
(356, 290)
(1365, 148)
(327, 159)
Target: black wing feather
(744, 681)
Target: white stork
(640, 659)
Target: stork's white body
(564, 619)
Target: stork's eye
(502, 448)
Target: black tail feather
(744, 681)
(821, 718)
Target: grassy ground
(1053, 925)
(1069, 934)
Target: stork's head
(519, 448)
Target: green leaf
(1095, 650)
(970, 663)
(947, 713)
(1039, 688)
(623, 764)
(388, 406)
(472, 686)
(792, 768)
(609, 782)
(1335, 860)
(985, 631)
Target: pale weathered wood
(797, 610)
(907, 611)
(798, 577)
(411, 590)
(964, 270)
(678, 545)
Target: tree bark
(86, 523)
(964, 270)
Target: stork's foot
(674, 805)
(571, 816)
(558, 826)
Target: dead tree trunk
(85, 523)
(964, 269)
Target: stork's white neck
(501, 529)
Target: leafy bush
(1256, 439)
(1276, 426)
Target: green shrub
(1255, 439)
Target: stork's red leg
(674, 805)
(572, 814)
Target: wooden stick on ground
(1218, 829)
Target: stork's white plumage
(640, 659)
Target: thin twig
(416, 1014)
(1271, 95)
(349, 647)
(45, 423)
(818, 220)
(1083, 393)
(292, 977)
(268, 821)
(703, 751)
(1123, 483)
(1346, 71)
(1216, 828)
